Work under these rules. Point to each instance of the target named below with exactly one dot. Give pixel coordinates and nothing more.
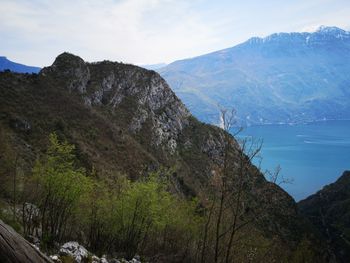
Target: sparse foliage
(60, 187)
(233, 204)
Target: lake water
(313, 154)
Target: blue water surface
(312, 154)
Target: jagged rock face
(72, 70)
(214, 147)
(110, 84)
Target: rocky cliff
(113, 85)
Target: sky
(34, 32)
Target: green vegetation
(60, 188)
(140, 216)
(63, 202)
(107, 216)
(120, 216)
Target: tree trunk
(15, 249)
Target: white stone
(74, 250)
(55, 259)
(95, 259)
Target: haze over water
(313, 154)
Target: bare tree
(232, 205)
(15, 187)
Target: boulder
(56, 259)
(74, 250)
(95, 259)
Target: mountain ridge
(282, 78)
(6, 64)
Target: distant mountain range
(282, 78)
(154, 66)
(6, 64)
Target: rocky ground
(80, 254)
(15, 249)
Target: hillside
(282, 78)
(6, 64)
(329, 210)
(125, 120)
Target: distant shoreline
(289, 124)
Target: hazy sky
(34, 32)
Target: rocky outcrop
(70, 69)
(79, 254)
(15, 249)
(149, 98)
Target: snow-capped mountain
(282, 78)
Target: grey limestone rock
(74, 250)
(108, 84)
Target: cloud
(149, 31)
(137, 31)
